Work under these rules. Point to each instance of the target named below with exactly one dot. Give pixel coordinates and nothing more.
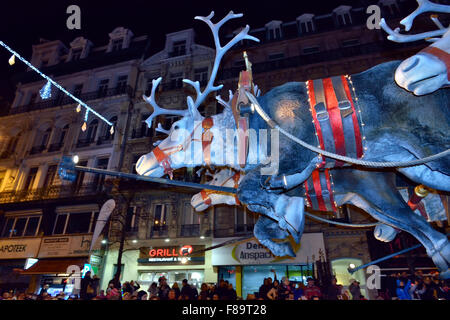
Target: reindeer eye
(176, 127)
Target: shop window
(21, 226)
(227, 273)
(343, 277)
(253, 276)
(194, 277)
(72, 223)
(32, 226)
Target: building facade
(153, 230)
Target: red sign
(171, 252)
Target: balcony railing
(105, 139)
(37, 149)
(159, 231)
(190, 230)
(121, 90)
(81, 143)
(52, 192)
(136, 134)
(243, 228)
(55, 147)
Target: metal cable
(364, 225)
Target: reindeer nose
(410, 63)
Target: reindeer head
(206, 198)
(429, 69)
(171, 153)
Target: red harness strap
(162, 158)
(207, 138)
(441, 55)
(205, 193)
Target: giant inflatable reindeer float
(350, 133)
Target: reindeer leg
(287, 211)
(265, 230)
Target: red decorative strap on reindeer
(207, 138)
(335, 119)
(441, 55)
(236, 178)
(319, 192)
(164, 160)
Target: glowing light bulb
(111, 130)
(12, 60)
(84, 127)
(78, 108)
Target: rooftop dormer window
(116, 45)
(343, 15)
(178, 48)
(305, 23)
(76, 54)
(273, 30)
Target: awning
(54, 266)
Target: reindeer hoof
(445, 275)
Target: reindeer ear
(195, 114)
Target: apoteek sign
(252, 252)
(19, 248)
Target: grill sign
(184, 251)
(186, 254)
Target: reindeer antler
(157, 110)
(220, 51)
(226, 104)
(161, 129)
(201, 96)
(424, 6)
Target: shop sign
(251, 252)
(65, 246)
(185, 254)
(19, 248)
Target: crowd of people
(397, 287)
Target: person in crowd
(332, 291)
(194, 291)
(101, 295)
(311, 289)
(142, 295)
(204, 292)
(85, 286)
(216, 297)
(172, 295)
(264, 289)
(163, 290)
(177, 290)
(95, 285)
(212, 291)
(403, 290)
(273, 292)
(186, 290)
(153, 290)
(232, 295)
(135, 286)
(222, 290)
(428, 291)
(298, 291)
(284, 289)
(355, 290)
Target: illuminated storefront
(247, 263)
(178, 261)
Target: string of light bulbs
(45, 92)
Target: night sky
(22, 23)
